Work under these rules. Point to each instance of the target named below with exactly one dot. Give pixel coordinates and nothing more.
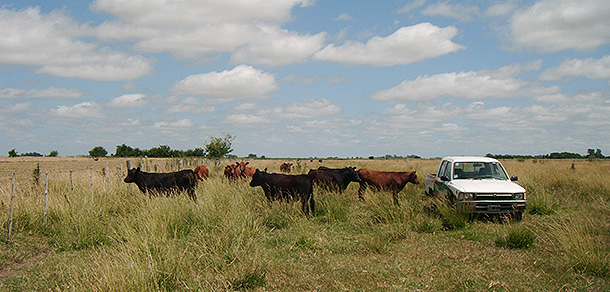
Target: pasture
(111, 237)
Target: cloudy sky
(306, 78)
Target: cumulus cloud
(18, 107)
(276, 47)
(555, 25)
(591, 68)
(82, 110)
(470, 85)
(127, 101)
(405, 46)
(239, 83)
(50, 92)
(250, 30)
(53, 42)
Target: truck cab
(478, 184)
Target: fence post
(46, 195)
(128, 164)
(107, 183)
(91, 181)
(71, 188)
(10, 216)
(180, 165)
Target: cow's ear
(138, 169)
(265, 170)
(248, 162)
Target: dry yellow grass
(120, 240)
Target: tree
(161, 151)
(53, 153)
(98, 151)
(12, 153)
(219, 147)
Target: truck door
(440, 186)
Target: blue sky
(298, 78)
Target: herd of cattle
(277, 186)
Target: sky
(306, 78)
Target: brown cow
(385, 180)
(286, 167)
(232, 172)
(246, 171)
(202, 172)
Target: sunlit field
(102, 234)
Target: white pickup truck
(479, 184)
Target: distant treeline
(161, 151)
(591, 154)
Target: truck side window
(441, 170)
(447, 172)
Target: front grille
(493, 197)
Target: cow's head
(131, 175)
(413, 178)
(352, 174)
(256, 179)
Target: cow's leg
(395, 195)
(312, 205)
(192, 195)
(361, 191)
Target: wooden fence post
(107, 183)
(46, 195)
(91, 181)
(10, 216)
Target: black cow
(287, 187)
(334, 178)
(157, 183)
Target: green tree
(161, 151)
(53, 153)
(98, 151)
(219, 147)
(12, 153)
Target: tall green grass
(234, 239)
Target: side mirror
(444, 178)
(514, 178)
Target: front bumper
(494, 206)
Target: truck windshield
(478, 170)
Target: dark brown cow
(286, 167)
(246, 171)
(334, 178)
(278, 186)
(385, 180)
(232, 172)
(158, 183)
(202, 172)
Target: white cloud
(311, 108)
(13, 108)
(555, 25)
(590, 68)
(412, 5)
(276, 47)
(82, 110)
(50, 92)
(239, 83)
(247, 120)
(405, 46)
(52, 41)
(201, 29)
(179, 124)
(456, 11)
(127, 101)
(500, 9)
(468, 85)
(344, 16)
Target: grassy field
(111, 237)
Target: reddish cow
(286, 167)
(202, 172)
(232, 172)
(246, 171)
(385, 180)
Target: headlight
(519, 196)
(465, 196)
